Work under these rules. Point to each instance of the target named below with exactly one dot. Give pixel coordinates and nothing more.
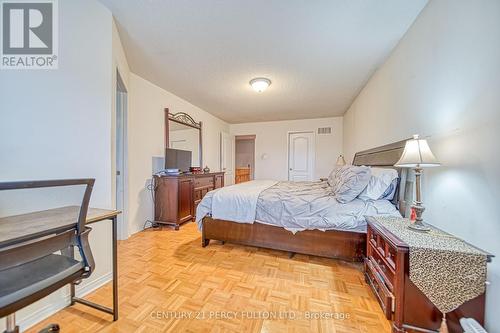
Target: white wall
(443, 81)
(146, 139)
(57, 124)
(271, 139)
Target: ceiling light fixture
(260, 84)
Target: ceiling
(318, 54)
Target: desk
(24, 227)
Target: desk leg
(114, 310)
(115, 268)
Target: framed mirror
(183, 132)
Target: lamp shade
(340, 161)
(417, 154)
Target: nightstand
(387, 273)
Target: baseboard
(48, 310)
(86, 289)
(135, 229)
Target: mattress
(298, 206)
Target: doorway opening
(244, 158)
(121, 156)
(301, 156)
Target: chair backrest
(41, 242)
(89, 182)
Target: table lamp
(417, 155)
(340, 161)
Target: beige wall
(443, 81)
(272, 140)
(146, 139)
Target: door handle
(290, 169)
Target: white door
(227, 157)
(301, 156)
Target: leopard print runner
(447, 270)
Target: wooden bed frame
(345, 245)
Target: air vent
(325, 130)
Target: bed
(346, 239)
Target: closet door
(301, 156)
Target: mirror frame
(183, 119)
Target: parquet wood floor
(165, 277)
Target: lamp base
(420, 227)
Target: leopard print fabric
(446, 269)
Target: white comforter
(238, 202)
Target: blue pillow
(391, 190)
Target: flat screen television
(177, 159)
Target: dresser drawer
(384, 296)
(204, 181)
(200, 192)
(219, 180)
(198, 195)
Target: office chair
(29, 267)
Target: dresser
(387, 273)
(177, 196)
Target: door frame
(288, 152)
(121, 155)
(252, 137)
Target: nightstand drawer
(381, 265)
(384, 296)
(383, 247)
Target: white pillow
(380, 181)
(348, 181)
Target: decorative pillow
(379, 184)
(348, 182)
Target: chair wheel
(52, 328)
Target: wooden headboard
(385, 157)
